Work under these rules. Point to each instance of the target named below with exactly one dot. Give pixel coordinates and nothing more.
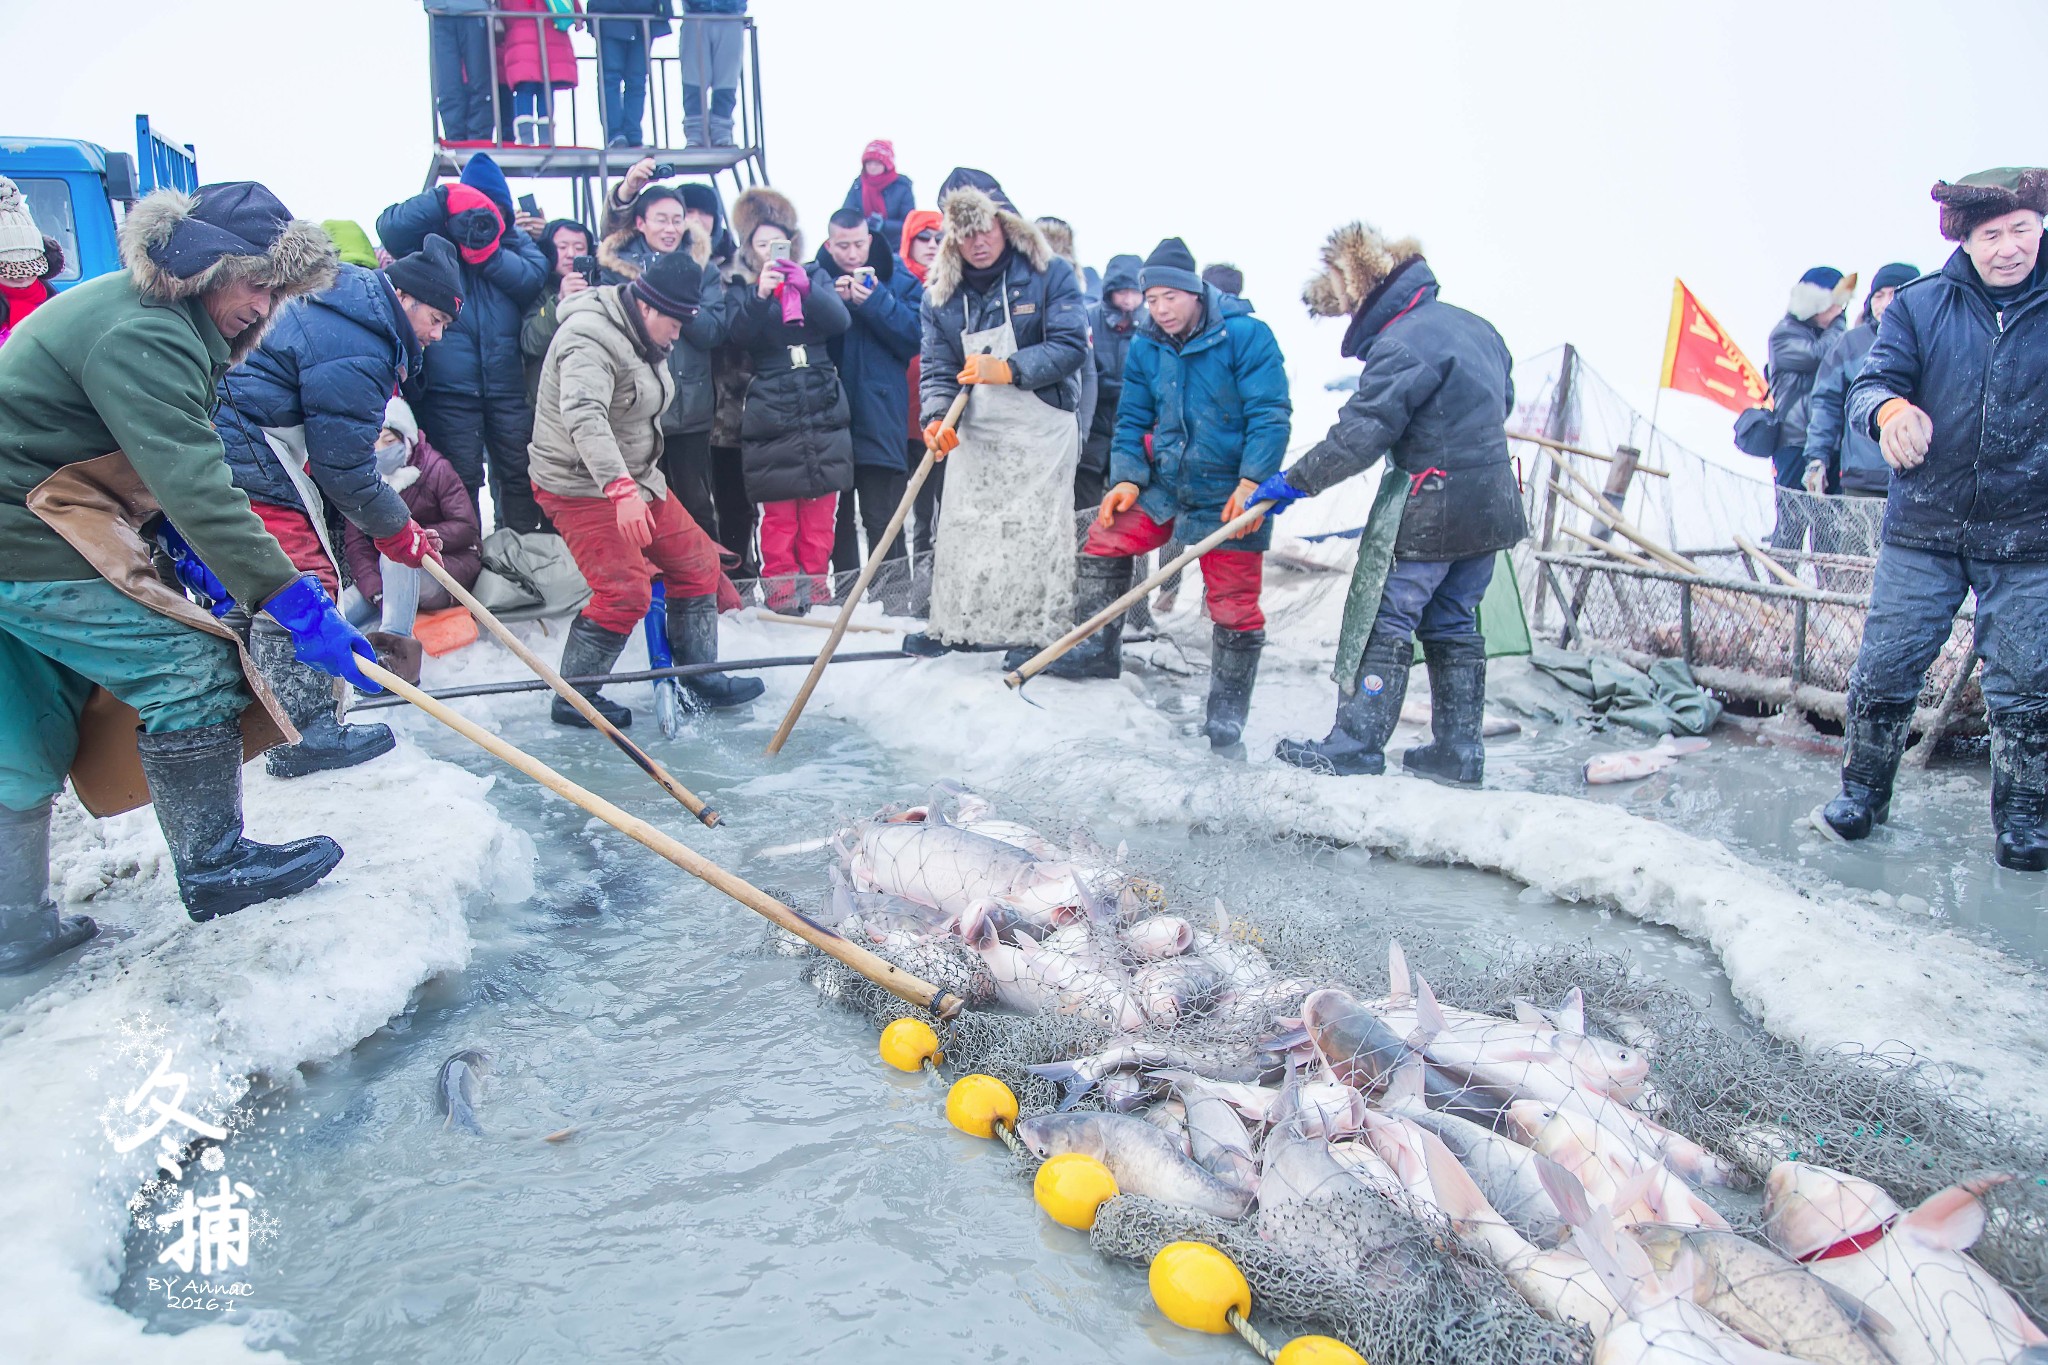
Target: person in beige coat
(596, 467)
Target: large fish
(1776, 1304)
(1913, 1269)
(1327, 1211)
(1503, 1054)
(1144, 1160)
(460, 1086)
(1608, 1164)
(938, 864)
(1220, 1143)
(1632, 765)
(1358, 1048)
(1160, 936)
(1174, 990)
(1034, 980)
(1506, 1172)
(1654, 1141)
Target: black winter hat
(1226, 277)
(701, 199)
(1120, 273)
(433, 274)
(1171, 266)
(231, 218)
(671, 285)
(1893, 275)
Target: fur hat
(1059, 235)
(763, 205)
(178, 246)
(20, 239)
(702, 199)
(1356, 260)
(1818, 290)
(967, 178)
(969, 212)
(1977, 199)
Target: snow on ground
(254, 995)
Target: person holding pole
(1206, 380)
(1437, 386)
(596, 461)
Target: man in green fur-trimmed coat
(107, 448)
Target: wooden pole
(883, 973)
(1620, 473)
(1598, 508)
(662, 777)
(1771, 566)
(1037, 662)
(1533, 439)
(785, 619)
(1608, 546)
(1921, 754)
(867, 575)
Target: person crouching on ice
(1437, 386)
(1205, 378)
(596, 464)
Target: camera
(586, 266)
(664, 170)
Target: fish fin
(1429, 1016)
(1951, 1219)
(1457, 1193)
(1074, 1084)
(1123, 851)
(1565, 1191)
(1098, 910)
(1570, 1017)
(1601, 1258)
(1398, 987)
(1528, 1016)
(1405, 1087)
(1642, 1187)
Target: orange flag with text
(1700, 358)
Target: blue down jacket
(479, 355)
(874, 355)
(330, 363)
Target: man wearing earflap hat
(1953, 392)
(596, 462)
(107, 674)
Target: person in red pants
(596, 464)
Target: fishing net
(1360, 1249)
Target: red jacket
(519, 48)
(438, 502)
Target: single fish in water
(460, 1086)
(1144, 1160)
(1632, 765)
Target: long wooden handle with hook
(1036, 663)
(662, 777)
(867, 576)
(878, 970)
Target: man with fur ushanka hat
(106, 673)
(1004, 317)
(1952, 390)
(1437, 386)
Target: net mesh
(1377, 1249)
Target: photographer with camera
(571, 270)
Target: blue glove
(320, 635)
(1277, 491)
(195, 576)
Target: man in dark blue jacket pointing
(1956, 392)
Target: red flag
(1699, 358)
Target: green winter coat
(102, 368)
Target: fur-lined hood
(969, 211)
(1356, 260)
(302, 260)
(612, 252)
(754, 207)
(1059, 235)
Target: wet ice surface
(744, 1176)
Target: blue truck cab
(73, 186)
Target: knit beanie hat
(1171, 266)
(671, 285)
(1977, 199)
(882, 150)
(481, 173)
(398, 417)
(432, 275)
(700, 199)
(1227, 278)
(21, 241)
(1818, 290)
(1894, 275)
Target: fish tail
(1073, 1081)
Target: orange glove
(1119, 499)
(1234, 509)
(940, 439)
(635, 518)
(985, 369)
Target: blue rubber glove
(320, 635)
(1277, 491)
(194, 575)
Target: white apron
(1003, 565)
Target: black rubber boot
(1357, 743)
(1098, 581)
(1457, 712)
(2019, 790)
(31, 930)
(307, 695)
(590, 650)
(1233, 668)
(693, 636)
(195, 779)
(1875, 738)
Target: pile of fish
(1233, 1090)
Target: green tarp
(1664, 701)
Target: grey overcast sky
(1560, 162)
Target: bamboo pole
(1036, 664)
(1771, 566)
(883, 973)
(1921, 754)
(785, 619)
(867, 574)
(1598, 507)
(641, 759)
(1533, 439)
(1609, 546)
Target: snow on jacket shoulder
(602, 394)
(328, 363)
(478, 356)
(1979, 374)
(1217, 409)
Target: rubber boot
(195, 779)
(307, 695)
(1357, 742)
(1098, 581)
(2019, 790)
(400, 653)
(591, 649)
(1233, 668)
(1875, 741)
(31, 930)
(1457, 712)
(693, 635)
